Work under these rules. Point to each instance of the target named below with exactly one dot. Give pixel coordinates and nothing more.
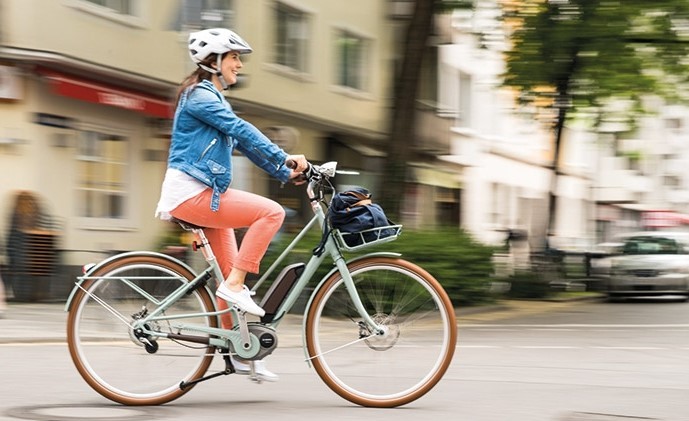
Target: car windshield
(651, 245)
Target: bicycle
(380, 331)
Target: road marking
(629, 348)
(479, 346)
(546, 347)
(552, 329)
(574, 326)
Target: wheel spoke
(105, 305)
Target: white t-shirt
(177, 188)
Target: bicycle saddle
(186, 225)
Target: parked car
(651, 264)
(600, 258)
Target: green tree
(406, 87)
(572, 58)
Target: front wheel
(389, 369)
(124, 363)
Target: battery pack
(280, 289)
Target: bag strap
(364, 202)
(358, 195)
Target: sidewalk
(46, 322)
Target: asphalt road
(530, 361)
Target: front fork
(372, 325)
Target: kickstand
(229, 369)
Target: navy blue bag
(352, 212)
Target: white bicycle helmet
(215, 41)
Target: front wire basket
(353, 241)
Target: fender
(94, 267)
(320, 284)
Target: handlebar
(318, 177)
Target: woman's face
(229, 66)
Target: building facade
(86, 91)
(503, 153)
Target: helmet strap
(216, 72)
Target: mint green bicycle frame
(245, 344)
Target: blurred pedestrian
(196, 186)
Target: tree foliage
(576, 57)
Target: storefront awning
(90, 91)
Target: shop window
(102, 175)
(447, 202)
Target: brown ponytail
(196, 76)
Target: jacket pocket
(216, 168)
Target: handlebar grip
(305, 175)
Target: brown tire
(394, 368)
(125, 365)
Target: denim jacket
(206, 131)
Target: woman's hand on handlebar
(299, 165)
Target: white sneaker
(259, 367)
(241, 299)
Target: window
(203, 14)
(102, 175)
(464, 100)
(291, 35)
(651, 245)
(122, 7)
(351, 52)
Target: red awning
(663, 219)
(99, 93)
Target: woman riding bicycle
(196, 190)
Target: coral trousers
(238, 209)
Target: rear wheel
(393, 368)
(124, 364)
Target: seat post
(208, 253)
